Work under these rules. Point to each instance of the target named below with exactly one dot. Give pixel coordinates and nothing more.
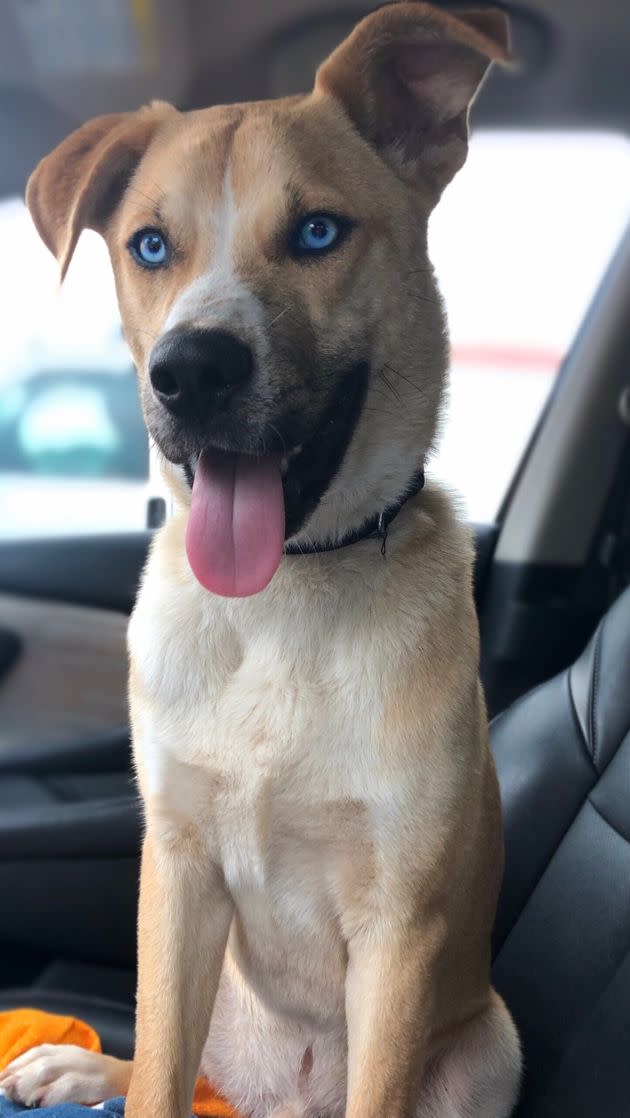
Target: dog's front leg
(388, 1009)
(185, 915)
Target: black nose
(195, 371)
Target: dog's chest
(258, 735)
(272, 790)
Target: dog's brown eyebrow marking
(301, 202)
(296, 202)
(276, 245)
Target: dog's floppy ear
(407, 76)
(79, 184)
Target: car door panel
(68, 682)
(102, 571)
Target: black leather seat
(562, 936)
(70, 818)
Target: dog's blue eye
(149, 249)
(316, 233)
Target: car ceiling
(62, 61)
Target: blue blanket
(115, 1108)
(112, 1109)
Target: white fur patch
(218, 297)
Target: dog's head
(272, 273)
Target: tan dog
(323, 843)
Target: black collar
(373, 529)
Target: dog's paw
(57, 1073)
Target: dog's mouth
(244, 507)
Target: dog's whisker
(382, 395)
(422, 298)
(392, 388)
(160, 190)
(278, 317)
(143, 202)
(154, 202)
(382, 411)
(407, 380)
(140, 213)
(279, 435)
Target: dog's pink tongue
(235, 529)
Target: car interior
(551, 575)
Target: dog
(323, 846)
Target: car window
(520, 242)
(74, 454)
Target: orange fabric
(21, 1029)
(207, 1104)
